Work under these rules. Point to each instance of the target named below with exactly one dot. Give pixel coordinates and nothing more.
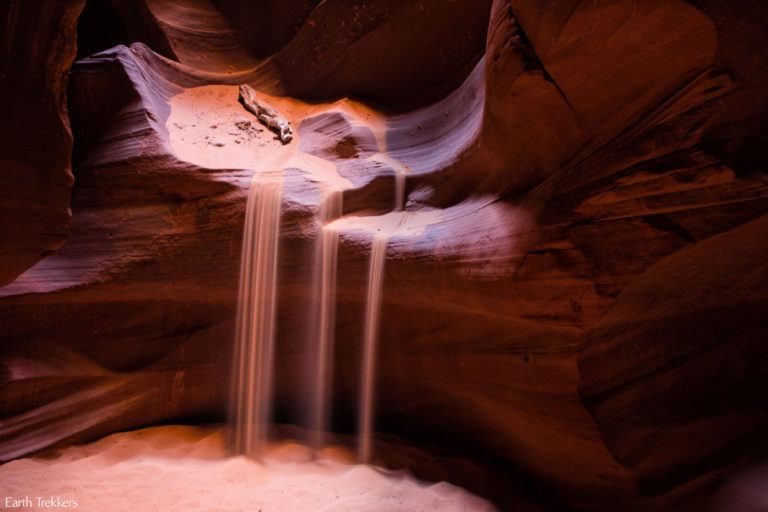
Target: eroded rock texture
(38, 47)
(576, 289)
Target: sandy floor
(188, 469)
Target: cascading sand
(370, 345)
(325, 289)
(255, 344)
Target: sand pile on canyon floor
(186, 468)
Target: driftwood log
(266, 115)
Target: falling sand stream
(255, 344)
(370, 345)
(325, 289)
(254, 358)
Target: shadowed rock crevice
(99, 28)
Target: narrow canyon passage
(465, 255)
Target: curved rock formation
(38, 47)
(396, 53)
(574, 290)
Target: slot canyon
(384, 255)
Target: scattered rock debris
(243, 125)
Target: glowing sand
(370, 344)
(188, 469)
(325, 287)
(255, 343)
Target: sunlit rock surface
(576, 286)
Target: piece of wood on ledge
(266, 115)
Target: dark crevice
(99, 28)
(270, 27)
(664, 223)
(531, 62)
